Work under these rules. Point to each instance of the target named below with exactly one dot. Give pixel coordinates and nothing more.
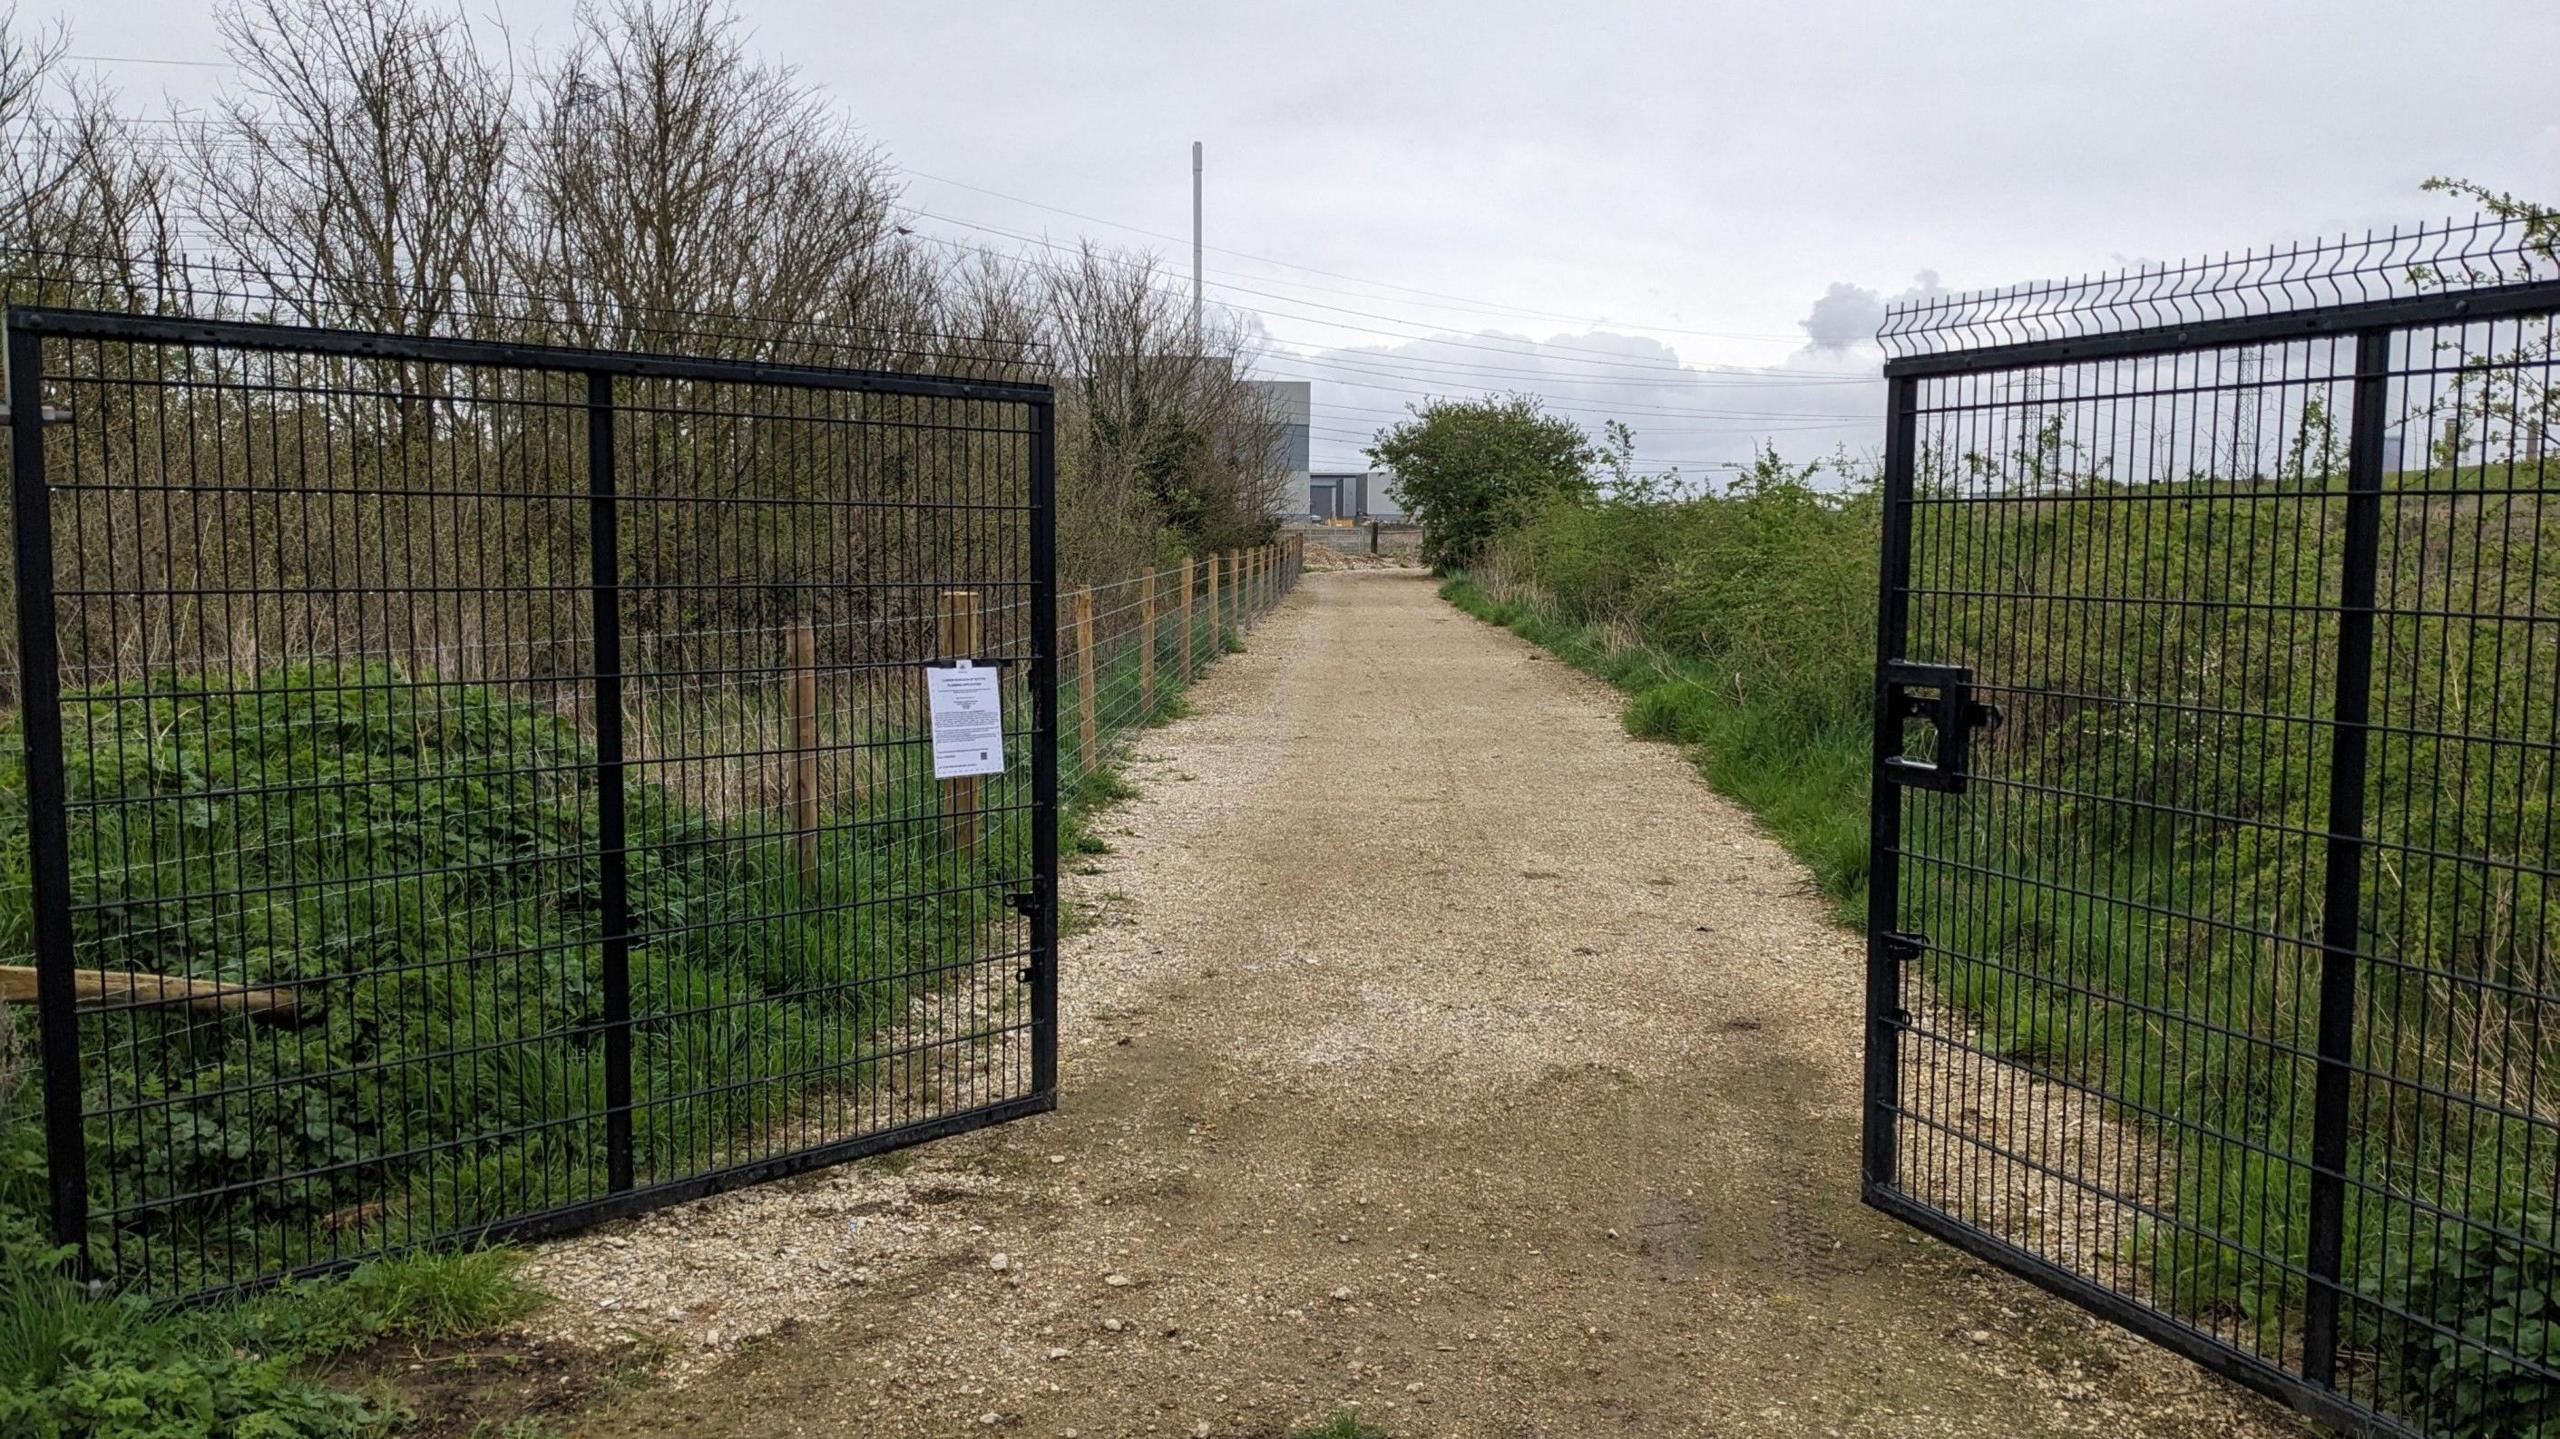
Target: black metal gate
(2214, 956)
(478, 789)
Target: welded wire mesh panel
(827, 942)
(2453, 1108)
(475, 789)
(2113, 997)
(2211, 968)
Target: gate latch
(1951, 710)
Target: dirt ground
(1432, 1048)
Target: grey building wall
(1296, 402)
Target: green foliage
(299, 791)
(140, 1391)
(73, 1364)
(1341, 1424)
(81, 1365)
(1469, 470)
(2484, 1296)
(416, 1297)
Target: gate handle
(1952, 710)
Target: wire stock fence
(1128, 649)
(2214, 967)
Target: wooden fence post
(1213, 607)
(804, 750)
(1186, 619)
(635, 720)
(956, 637)
(1147, 642)
(1084, 676)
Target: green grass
(1743, 627)
(418, 1297)
(1341, 1424)
(72, 1364)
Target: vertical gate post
(613, 896)
(66, 1143)
(1886, 950)
(1187, 617)
(1213, 608)
(2342, 892)
(1044, 751)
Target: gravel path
(1435, 1048)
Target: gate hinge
(1901, 946)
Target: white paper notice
(967, 706)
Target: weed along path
(1432, 1047)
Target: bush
(1470, 470)
(2481, 1297)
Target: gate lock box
(1951, 711)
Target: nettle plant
(2481, 1332)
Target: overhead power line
(1538, 348)
(1459, 300)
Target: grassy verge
(74, 1365)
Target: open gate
(2214, 949)
(476, 789)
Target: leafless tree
(1157, 423)
(682, 193)
(85, 210)
(360, 168)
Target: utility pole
(1196, 346)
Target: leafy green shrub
(76, 1365)
(1470, 470)
(2484, 1296)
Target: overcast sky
(1621, 205)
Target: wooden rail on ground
(109, 986)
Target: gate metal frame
(2367, 291)
(28, 328)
